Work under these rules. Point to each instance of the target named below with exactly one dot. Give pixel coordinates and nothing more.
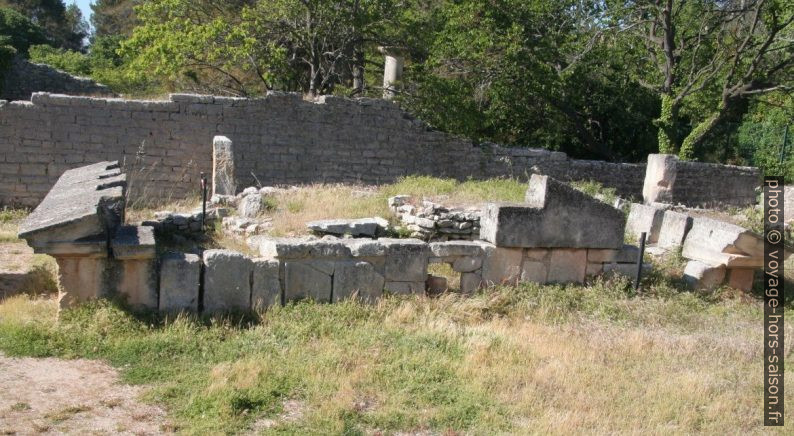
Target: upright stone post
(223, 166)
(659, 178)
(392, 70)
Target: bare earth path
(54, 396)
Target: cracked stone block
(660, 175)
(359, 279)
(179, 282)
(307, 280)
(265, 283)
(703, 276)
(227, 281)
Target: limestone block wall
(709, 185)
(24, 78)
(163, 146)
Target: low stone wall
(24, 78)
(280, 139)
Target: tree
(18, 32)
(246, 47)
(65, 27)
(113, 17)
(706, 58)
(530, 73)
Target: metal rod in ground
(639, 261)
(203, 199)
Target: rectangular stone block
(265, 283)
(567, 266)
(227, 281)
(716, 242)
(594, 269)
(81, 279)
(406, 260)
(133, 242)
(555, 215)
(601, 256)
(643, 218)
(456, 248)
(179, 282)
(501, 265)
(700, 275)
(138, 282)
(534, 271)
(741, 278)
(307, 279)
(674, 228)
(467, 264)
(357, 279)
(223, 168)
(470, 282)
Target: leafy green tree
(530, 74)
(113, 18)
(65, 27)
(705, 59)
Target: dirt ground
(15, 266)
(54, 396)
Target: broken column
(659, 178)
(223, 166)
(394, 60)
(74, 224)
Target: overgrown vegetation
(500, 361)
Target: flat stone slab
(133, 242)
(555, 216)
(85, 201)
(456, 248)
(716, 242)
(368, 227)
(301, 248)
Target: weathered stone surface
(501, 265)
(406, 260)
(537, 254)
(365, 248)
(601, 256)
(646, 219)
(85, 202)
(265, 283)
(138, 282)
(741, 278)
(307, 279)
(227, 281)
(467, 264)
(674, 228)
(456, 248)
(470, 282)
(627, 254)
(660, 177)
(534, 271)
(81, 279)
(594, 269)
(179, 282)
(369, 227)
(719, 243)
(403, 288)
(703, 276)
(300, 248)
(223, 166)
(556, 215)
(567, 266)
(357, 279)
(133, 242)
(250, 206)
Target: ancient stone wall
(711, 185)
(279, 139)
(24, 78)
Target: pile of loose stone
(433, 222)
(185, 224)
(250, 203)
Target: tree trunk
(668, 126)
(697, 135)
(358, 70)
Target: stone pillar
(136, 269)
(81, 277)
(659, 178)
(392, 70)
(223, 166)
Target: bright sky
(84, 6)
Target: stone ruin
(717, 252)
(559, 235)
